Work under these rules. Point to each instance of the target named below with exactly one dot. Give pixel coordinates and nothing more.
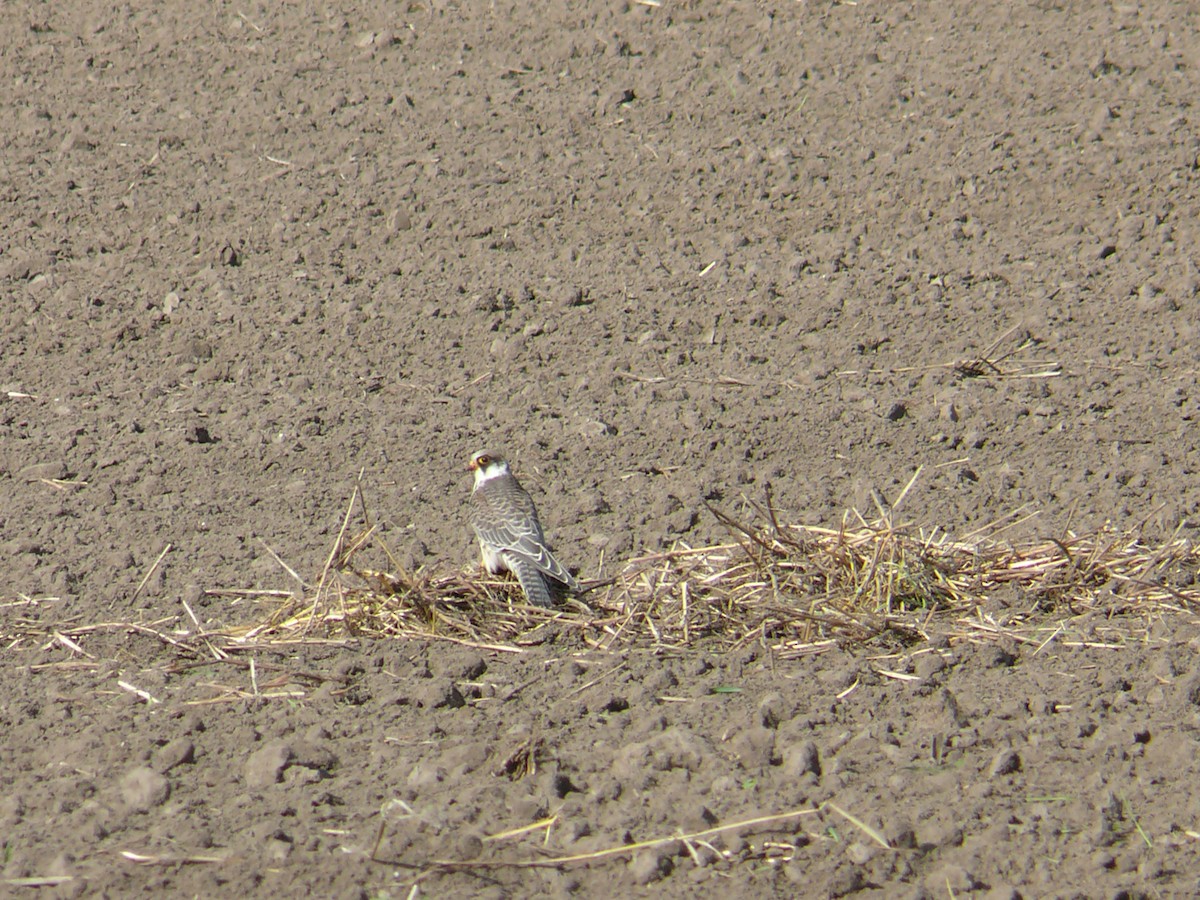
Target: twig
(275, 556)
(447, 865)
(150, 571)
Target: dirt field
(661, 254)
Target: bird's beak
(471, 466)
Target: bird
(510, 534)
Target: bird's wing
(505, 518)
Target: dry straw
(795, 589)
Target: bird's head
(487, 464)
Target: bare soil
(661, 254)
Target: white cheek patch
(482, 475)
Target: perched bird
(510, 535)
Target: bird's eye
(483, 461)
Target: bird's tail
(537, 592)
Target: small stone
(724, 784)
(143, 789)
(197, 349)
(650, 865)
(860, 854)
(800, 759)
(592, 502)
(974, 439)
(465, 758)
(470, 667)
(900, 835)
(929, 665)
(266, 764)
(773, 709)
(197, 434)
(796, 267)
(754, 747)
(695, 816)
(993, 656)
(572, 296)
(468, 846)
(595, 428)
(946, 834)
(190, 723)
(440, 693)
(1006, 762)
(426, 773)
(846, 880)
(399, 220)
(313, 756)
(1042, 706)
(173, 753)
(21, 546)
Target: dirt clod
(143, 789)
(265, 765)
(1005, 762)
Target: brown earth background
(661, 254)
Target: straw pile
(793, 589)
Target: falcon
(510, 535)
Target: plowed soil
(661, 254)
